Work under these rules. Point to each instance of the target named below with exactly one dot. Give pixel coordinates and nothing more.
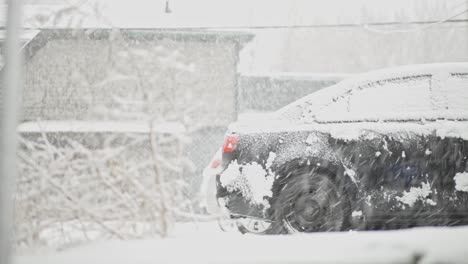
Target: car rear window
(457, 93)
(398, 96)
(383, 99)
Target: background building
(102, 74)
(78, 74)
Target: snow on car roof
(289, 118)
(323, 97)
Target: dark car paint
(385, 167)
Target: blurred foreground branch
(75, 187)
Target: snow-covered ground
(205, 243)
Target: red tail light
(230, 143)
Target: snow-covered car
(386, 149)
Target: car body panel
(392, 166)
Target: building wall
(189, 78)
(172, 77)
(269, 92)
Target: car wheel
(254, 226)
(228, 225)
(310, 203)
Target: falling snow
(305, 78)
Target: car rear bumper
(237, 205)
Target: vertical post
(11, 91)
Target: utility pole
(10, 105)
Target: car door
(448, 151)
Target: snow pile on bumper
(461, 181)
(252, 180)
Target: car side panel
(385, 176)
(410, 176)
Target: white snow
(313, 139)
(353, 131)
(417, 193)
(356, 213)
(259, 182)
(386, 97)
(444, 113)
(99, 126)
(252, 180)
(208, 186)
(461, 181)
(237, 14)
(351, 173)
(456, 95)
(229, 175)
(204, 243)
(271, 158)
(375, 97)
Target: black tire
(311, 202)
(255, 227)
